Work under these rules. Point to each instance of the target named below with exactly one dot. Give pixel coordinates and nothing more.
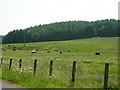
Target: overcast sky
(20, 14)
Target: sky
(21, 14)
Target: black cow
(97, 53)
(48, 51)
(14, 49)
(9, 45)
(60, 52)
(68, 50)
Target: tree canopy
(64, 31)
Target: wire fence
(69, 73)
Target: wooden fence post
(1, 62)
(35, 64)
(20, 62)
(73, 72)
(106, 75)
(10, 64)
(51, 68)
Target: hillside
(64, 31)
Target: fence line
(106, 75)
(10, 65)
(20, 62)
(51, 68)
(106, 71)
(1, 62)
(35, 65)
(73, 72)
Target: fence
(51, 69)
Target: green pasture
(89, 70)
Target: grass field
(89, 70)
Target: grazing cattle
(14, 49)
(68, 50)
(18, 48)
(48, 51)
(97, 53)
(9, 45)
(33, 51)
(60, 52)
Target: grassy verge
(28, 80)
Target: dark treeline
(64, 31)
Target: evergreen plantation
(64, 31)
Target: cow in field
(97, 53)
(60, 52)
(14, 49)
(68, 50)
(48, 51)
(33, 51)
